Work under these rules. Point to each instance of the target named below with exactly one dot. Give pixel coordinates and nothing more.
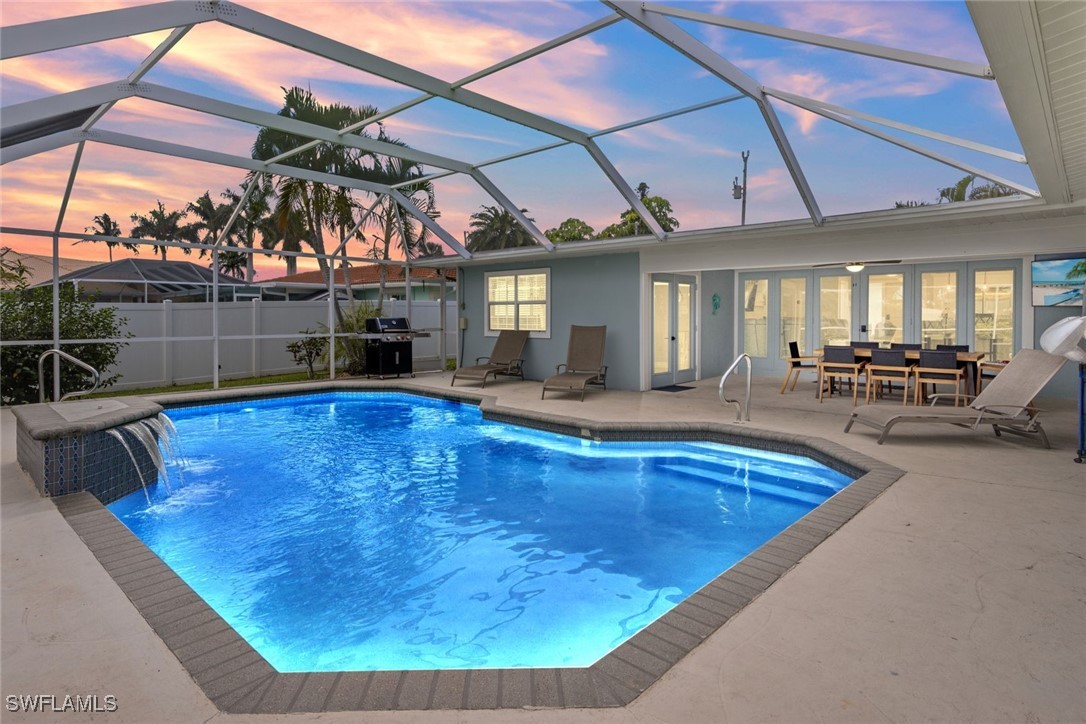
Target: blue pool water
(369, 531)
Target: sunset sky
(615, 75)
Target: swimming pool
(362, 531)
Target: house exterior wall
(717, 325)
(584, 290)
(1016, 240)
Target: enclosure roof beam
(250, 164)
(677, 38)
(864, 128)
(310, 42)
(45, 35)
(828, 41)
(497, 194)
(142, 69)
(934, 135)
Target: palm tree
(397, 228)
(106, 226)
(210, 218)
(253, 219)
(232, 263)
(496, 228)
(319, 205)
(164, 225)
(285, 233)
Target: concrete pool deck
(956, 595)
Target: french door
(673, 329)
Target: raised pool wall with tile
(65, 448)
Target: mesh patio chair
(887, 366)
(839, 362)
(584, 362)
(938, 367)
(1006, 403)
(796, 364)
(505, 359)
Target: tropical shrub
(27, 314)
(308, 350)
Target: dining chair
(796, 364)
(937, 367)
(887, 366)
(839, 361)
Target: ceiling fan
(857, 266)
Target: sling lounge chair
(584, 362)
(1005, 404)
(504, 359)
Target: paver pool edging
(237, 679)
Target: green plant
(27, 314)
(347, 348)
(450, 364)
(307, 350)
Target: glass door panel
(793, 315)
(834, 311)
(993, 313)
(885, 307)
(755, 317)
(938, 308)
(661, 327)
(684, 328)
(673, 329)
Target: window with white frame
(519, 300)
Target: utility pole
(739, 191)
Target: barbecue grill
(389, 346)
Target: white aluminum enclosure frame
(655, 19)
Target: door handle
(672, 339)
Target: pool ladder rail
(742, 409)
(74, 360)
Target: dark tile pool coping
(237, 679)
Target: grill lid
(387, 324)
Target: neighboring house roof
(361, 275)
(163, 279)
(40, 267)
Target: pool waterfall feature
(108, 448)
(237, 679)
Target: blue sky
(616, 75)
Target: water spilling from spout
(143, 434)
(114, 432)
(149, 432)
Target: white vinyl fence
(173, 343)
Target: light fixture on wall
(855, 266)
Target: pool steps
(768, 485)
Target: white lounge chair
(1006, 403)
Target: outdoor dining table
(971, 360)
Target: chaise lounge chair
(584, 362)
(1005, 404)
(504, 359)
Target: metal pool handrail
(73, 360)
(742, 411)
